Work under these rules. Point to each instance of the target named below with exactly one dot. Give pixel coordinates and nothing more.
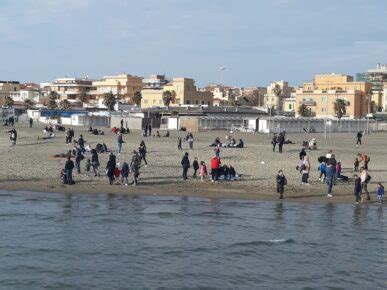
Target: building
(9, 89)
(184, 92)
(123, 86)
(289, 104)
(222, 95)
(252, 96)
(154, 82)
(71, 89)
(31, 91)
(320, 96)
(274, 101)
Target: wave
(265, 242)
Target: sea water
(60, 241)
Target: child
(87, 167)
(380, 192)
(195, 166)
(217, 151)
(203, 170)
(356, 165)
(357, 189)
(323, 171)
(281, 182)
(125, 173)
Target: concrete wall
(191, 124)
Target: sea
(76, 241)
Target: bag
(368, 179)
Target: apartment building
(274, 101)
(70, 88)
(9, 89)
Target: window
(290, 106)
(188, 102)
(197, 102)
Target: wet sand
(28, 166)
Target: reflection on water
(118, 241)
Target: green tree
(137, 98)
(52, 98)
(8, 102)
(109, 100)
(29, 104)
(303, 110)
(340, 108)
(65, 104)
(167, 97)
(277, 91)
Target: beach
(29, 165)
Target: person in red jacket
(215, 165)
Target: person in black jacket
(125, 173)
(281, 141)
(69, 166)
(274, 141)
(110, 167)
(78, 158)
(302, 154)
(95, 162)
(281, 182)
(359, 135)
(142, 152)
(186, 165)
(357, 189)
(195, 165)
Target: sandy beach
(28, 166)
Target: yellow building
(9, 89)
(123, 86)
(289, 104)
(183, 90)
(320, 96)
(271, 100)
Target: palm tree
(340, 108)
(109, 100)
(65, 104)
(52, 98)
(303, 110)
(8, 102)
(137, 98)
(167, 98)
(277, 91)
(82, 97)
(29, 104)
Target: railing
(308, 103)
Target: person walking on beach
(357, 189)
(330, 169)
(359, 135)
(125, 173)
(142, 152)
(281, 182)
(69, 166)
(215, 165)
(87, 167)
(195, 166)
(13, 136)
(186, 165)
(323, 171)
(380, 192)
(81, 143)
(135, 168)
(274, 141)
(356, 164)
(190, 140)
(365, 179)
(110, 167)
(31, 121)
(95, 162)
(202, 171)
(217, 151)
(68, 136)
(78, 158)
(305, 169)
(302, 154)
(179, 143)
(150, 130)
(281, 141)
(120, 141)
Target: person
(240, 144)
(78, 158)
(158, 134)
(202, 171)
(31, 121)
(68, 136)
(150, 130)
(338, 170)
(122, 123)
(274, 141)
(81, 143)
(13, 136)
(95, 162)
(231, 172)
(217, 151)
(190, 140)
(302, 154)
(357, 189)
(135, 167)
(179, 143)
(365, 179)
(87, 167)
(356, 165)
(305, 168)
(330, 172)
(359, 135)
(380, 192)
(186, 165)
(166, 134)
(281, 182)
(323, 171)
(142, 152)
(69, 166)
(120, 141)
(110, 167)
(125, 173)
(281, 141)
(195, 166)
(215, 164)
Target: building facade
(271, 100)
(154, 82)
(9, 89)
(71, 89)
(320, 96)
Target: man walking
(358, 138)
(281, 141)
(330, 171)
(186, 165)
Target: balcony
(308, 103)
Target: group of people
(231, 143)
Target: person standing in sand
(142, 152)
(95, 162)
(185, 163)
(281, 182)
(281, 141)
(195, 165)
(31, 121)
(135, 167)
(120, 141)
(215, 165)
(274, 141)
(330, 172)
(179, 143)
(69, 166)
(78, 158)
(110, 167)
(365, 179)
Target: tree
(277, 91)
(65, 104)
(29, 104)
(52, 98)
(8, 102)
(340, 108)
(137, 98)
(82, 97)
(167, 98)
(109, 100)
(303, 111)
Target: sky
(257, 41)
